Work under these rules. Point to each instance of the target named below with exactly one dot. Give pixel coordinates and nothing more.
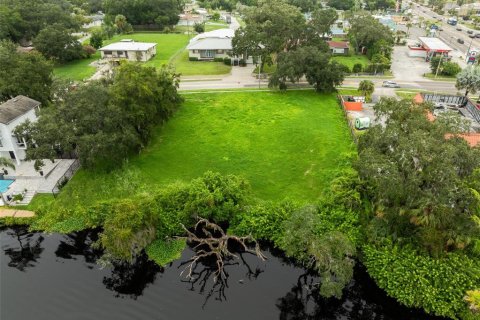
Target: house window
(107, 52)
(120, 53)
(219, 51)
(20, 142)
(207, 54)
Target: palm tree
(409, 25)
(366, 87)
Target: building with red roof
(339, 47)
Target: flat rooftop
(128, 46)
(434, 44)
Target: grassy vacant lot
(350, 61)
(168, 46)
(188, 68)
(286, 144)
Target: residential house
(12, 113)
(339, 47)
(129, 50)
(337, 32)
(94, 21)
(211, 45)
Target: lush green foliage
(366, 87)
(110, 121)
(286, 145)
(57, 43)
(165, 251)
(23, 20)
(341, 4)
(309, 62)
(444, 68)
(366, 31)
(421, 184)
(158, 12)
(418, 280)
(28, 74)
(469, 79)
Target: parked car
(460, 41)
(390, 84)
(459, 29)
(477, 35)
(440, 29)
(469, 31)
(471, 35)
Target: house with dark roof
(339, 47)
(12, 113)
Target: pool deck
(5, 213)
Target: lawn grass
(350, 61)
(77, 70)
(188, 68)
(286, 144)
(168, 46)
(431, 76)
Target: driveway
(407, 68)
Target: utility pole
(468, 50)
(438, 67)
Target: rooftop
(338, 44)
(220, 39)
(14, 108)
(434, 44)
(128, 46)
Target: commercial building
(428, 48)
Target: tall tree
(311, 63)
(366, 31)
(57, 43)
(420, 177)
(341, 4)
(272, 27)
(322, 21)
(28, 74)
(160, 12)
(469, 79)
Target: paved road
(450, 34)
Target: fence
(349, 123)
(457, 100)
(66, 177)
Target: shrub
(88, 51)
(199, 27)
(218, 59)
(345, 68)
(165, 251)
(227, 61)
(263, 221)
(417, 280)
(450, 68)
(242, 63)
(193, 58)
(357, 68)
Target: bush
(227, 61)
(345, 68)
(450, 69)
(357, 68)
(193, 58)
(199, 27)
(165, 251)
(242, 63)
(218, 59)
(88, 51)
(416, 280)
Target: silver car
(390, 84)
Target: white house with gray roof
(12, 113)
(129, 50)
(211, 45)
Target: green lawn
(77, 70)
(168, 46)
(188, 68)
(431, 76)
(350, 61)
(286, 144)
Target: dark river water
(57, 277)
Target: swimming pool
(4, 185)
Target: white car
(390, 84)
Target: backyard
(168, 46)
(286, 144)
(350, 61)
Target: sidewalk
(12, 213)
